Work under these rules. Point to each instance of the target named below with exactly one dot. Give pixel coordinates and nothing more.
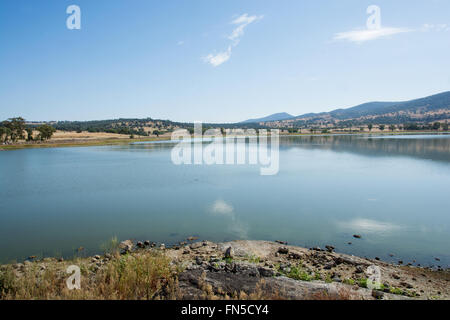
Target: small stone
(294, 256)
(162, 246)
(198, 260)
(377, 294)
(18, 266)
(407, 285)
(281, 242)
(140, 244)
(330, 265)
(376, 258)
(196, 245)
(357, 236)
(214, 259)
(97, 257)
(437, 259)
(264, 272)
(400, 262)
(287, 270)
(283, 250)
(337, 279)
(192, 238)
(329, 248)
(126, 246)
(359, 269)
(147, 242)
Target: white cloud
(218, 58)
(436, 27)
(180, 43)
(363, 35)
(242, 22)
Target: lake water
(394, 191)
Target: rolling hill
(428, 109)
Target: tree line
(15, 129)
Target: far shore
(85, 139)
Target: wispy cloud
(436, 27)
(364, 35)
(242, 22)
(216, 59)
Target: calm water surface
(394, 191)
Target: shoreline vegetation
(16, 133)
(240, 269)
(85, 139)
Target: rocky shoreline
(271, 270)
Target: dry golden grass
(69, 135)
(132, 277)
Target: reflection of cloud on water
(224, 209)
(220, 207)
(368, 226)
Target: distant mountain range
(432, 108)
(272, 117)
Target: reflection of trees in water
(425, 148)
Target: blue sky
(216, 61)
